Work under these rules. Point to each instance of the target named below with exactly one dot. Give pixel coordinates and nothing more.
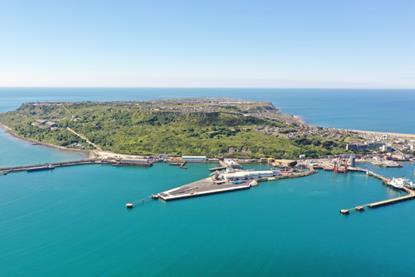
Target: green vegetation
(151, 128)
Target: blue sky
(227, 43)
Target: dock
(201, 187)
(51, 166)
(410, 193)
(368, 172)
(409, 196)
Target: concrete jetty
(378, 204)
(199, 188)
(410, 193)
(211, 185)
(409, 196)
(368, 172)
(51, 166)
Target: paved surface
(202, 187)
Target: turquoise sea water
(72, 221)
(14, 151)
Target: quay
(226, 182)
(201, 187)
(51, 166)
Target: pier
(211, 185)
(410, 193)
(51, 166)
(368, 172)
(201, 187)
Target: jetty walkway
(368, 172)
(51, 166)
(410, 193)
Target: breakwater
(386, 181)
(51, 166)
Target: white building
(239, 176)
(195, 159)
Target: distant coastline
(380, 133)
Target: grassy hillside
(154, 128)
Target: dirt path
(84, 138)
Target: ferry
(400, 183)
(410, 184)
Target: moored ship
(401, 183)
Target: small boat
(129, 205)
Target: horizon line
(179, 87)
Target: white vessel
(410, 184)
(400, 183)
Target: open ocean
(72, 221)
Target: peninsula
(212, 127)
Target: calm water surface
(14, 151)
(72, 221)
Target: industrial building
(240, 176)
(194, 159)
